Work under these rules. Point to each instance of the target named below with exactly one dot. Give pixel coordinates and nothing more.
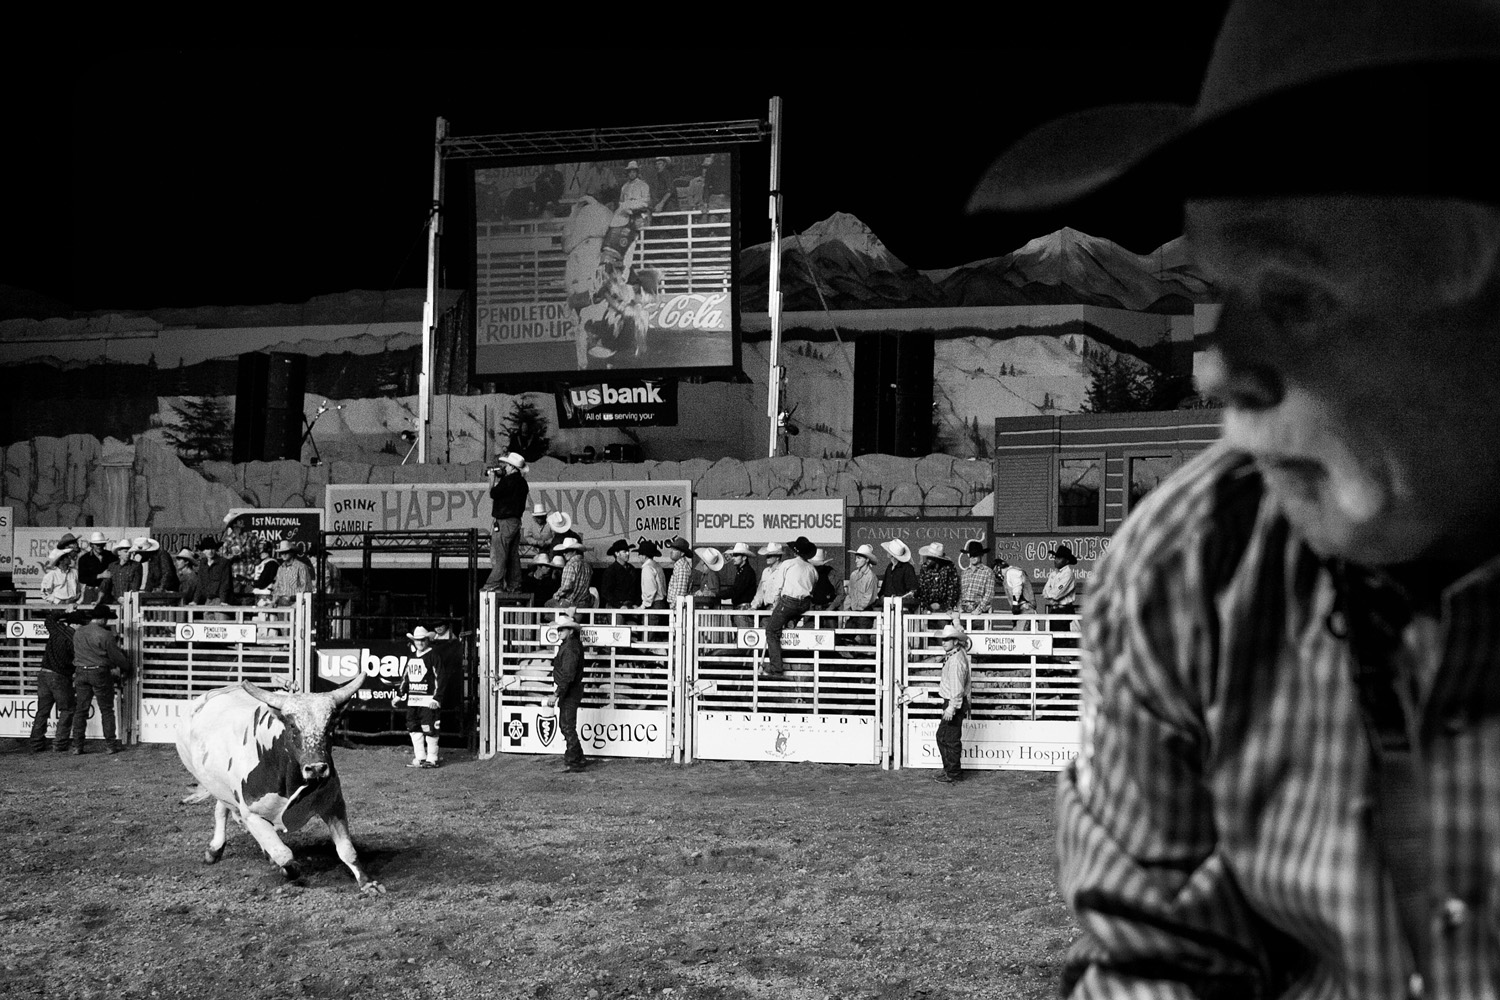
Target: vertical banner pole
(773, 303)
(429, 309)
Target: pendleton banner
(618, 403)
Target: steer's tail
(200, 794)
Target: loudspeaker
(268, 407)
(893, 394)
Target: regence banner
(618, 403)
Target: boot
(432, 752)
(416, 750)
(115, 747)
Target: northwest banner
(618, 403)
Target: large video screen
(619, 263)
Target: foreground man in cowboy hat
(1291, 728)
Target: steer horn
(346, 691)
(275, 699)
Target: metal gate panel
(830, 705)
(632, 682)
(181, 652)
(23, 640)
(1023, 685)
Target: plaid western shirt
(573, 588)
(681, 583)
(978, 587)
(1215, 833)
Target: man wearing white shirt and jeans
(793, 597)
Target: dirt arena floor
(508, 879)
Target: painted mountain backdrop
(855, 270)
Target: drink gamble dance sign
(627, 262)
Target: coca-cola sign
(693, 311)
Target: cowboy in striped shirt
(1289, 776)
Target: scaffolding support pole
(429, 308)
(773, 303)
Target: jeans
(52, 688)
(94, 683)
(567, 721)
(950, 741)
(505, 556)
(786, 614)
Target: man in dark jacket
(567, 689)
(54, 681)
(508, 492)
(216, 577)
(98, 663)
(621, 586)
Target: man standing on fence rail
(567, 690)
(796, 580)
(98, 664)
(216, 574)
(1286, 784)
(508, 493)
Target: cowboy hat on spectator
(803, 547)
(569, 544)
(680, 544)
(419, 633)
(773, 550)
(934, 551)
(559, 522)
(97, 538)
(740, 549)
(564, 620)
(514, 459)
(286, 546)
(898, 550)
(647, 548)
(867, 550)
(619, 545)
(712, 558)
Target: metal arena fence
(682, 684)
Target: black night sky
(180, 177)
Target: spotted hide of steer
(264, 756)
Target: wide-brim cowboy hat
(539, 510)
(420, 633)
(286, 546)
(740, 549)
(564, 621)
(569, 544)
(819, 559)
(803, 547)
(68, 541)
(145, 544)
(773, 549)
(975, 547)
(680, 544)
(186, 553)
(56, 555)
(514, 459)
(712, 558)
(867, 550)
(648, 548)
(897, 549)
(97, 538)
(933, 551)
(557, 562)
(619, 545)
(123, 543)
(1300, 97)
(541, 559)
(559, 522)
(1063, 552)
(952, 631)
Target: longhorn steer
(264, 754)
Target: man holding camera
(508, 492)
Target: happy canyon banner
(601, 511)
